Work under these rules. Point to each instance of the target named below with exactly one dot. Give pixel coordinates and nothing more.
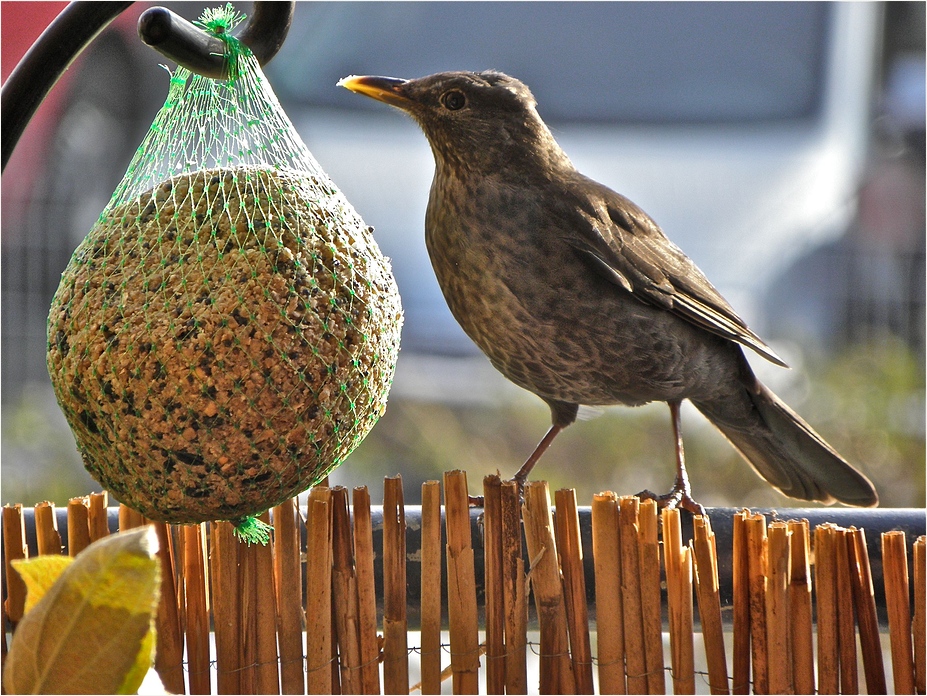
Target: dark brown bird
(575, 294)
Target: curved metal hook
(80, 23)
(187, 45)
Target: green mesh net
(227, 332)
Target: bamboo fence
(317, 611)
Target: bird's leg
(680, 496)
(522, 474)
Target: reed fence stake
(800, 607)
(395, 628)
(778, 616)
(709, 603)
(14, 548)
(344, 594)
(431, 586)
(247, 627)
(169, 652)
(366, 592)
(78, 525)
(897, 602)
(514, 592)
(46, 529)
(570, 555)
(756, 545)
(846, 635)
(288, 587)
(631, 610)
(492, 582)
(267, 673)
(867, 619)
(223, 575)
(920, 610)
(461, 586)
(651, 601)
(825, 585)
(740, 561)
(606, 553)
(556, 669)
(319, 592)
(98, 515)
(196, 616)
(677, 563)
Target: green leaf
(39, 574)
(92, 632)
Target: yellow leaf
(92, 631)
(39, 574)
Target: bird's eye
(453, 100)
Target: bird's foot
(676, 498)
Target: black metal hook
(80, 23)
(187, 45)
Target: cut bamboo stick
(677, 562)
(431, 587)
(14, 548)
(846, 635)
(867, 618)
(319, 592)
(196, 625)
(778, 617)
(898, 606)
(740, 563)
(651, 609)
(631, 610)
(514, 591)
(129, 518)
(709, 603)
(366, 592)
(461, 586)
(920, 610)
(247, 607)
(570, 553)
(288, 587)
(759, 652)
(169, 652)
(395, 636)
(267, 673)
(556, 669)
(344, 593)
(98, 515)
(492, 581)
(46, 529)
(606, 553)
(78, 525)
(223, 575)
(825, 586)
(800, 607)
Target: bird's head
(470, 119)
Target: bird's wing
(625, 245)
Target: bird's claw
(676, 498)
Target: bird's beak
(385, 89)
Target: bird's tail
(786, 451)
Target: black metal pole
(45, 62)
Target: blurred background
(781, 145)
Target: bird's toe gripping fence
(615, 596)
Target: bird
(575, 294)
